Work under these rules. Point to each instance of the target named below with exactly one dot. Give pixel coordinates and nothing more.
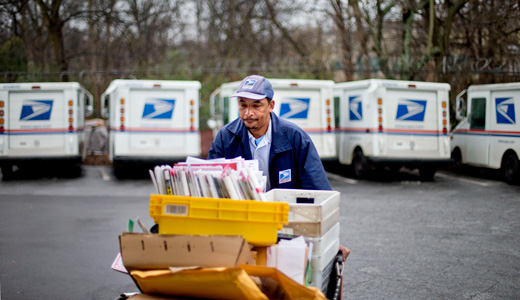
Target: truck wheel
(427, 173)
(7, 172)
(119, 170)
(511, 168)
(74, 171)
(360, 165)
(457, 160)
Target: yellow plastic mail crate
(257, 221)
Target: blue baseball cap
(254, 87)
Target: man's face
(255, 113)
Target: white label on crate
(176, 209)
(286, 230)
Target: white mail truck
(307, 103)
(488, 134)
(42, 123)
(151, 122)
(392, 124)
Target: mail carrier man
(285, 152)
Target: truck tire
(119, 170)
(511, 168)
(457, 160)
(7, 172)
(427, 173)
(359, 164)
(74, 170)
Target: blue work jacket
(294, 162)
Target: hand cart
(335, 287)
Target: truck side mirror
(214, 104)
(212, 124)
(460, 106)
(105, 108)
(89, 104)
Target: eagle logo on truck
(505, 110)
(36, 110)
(294, 108)
(155, 108)
(355, 108)
(410, 110)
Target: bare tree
(489, 33)
(376, 32)
(34, 36)
(362, 36)
(340, 17)
(443, 25)
(306, 41)
(93, 45)
(147, 37)
(221, 40)
(12, 38)
(54, 24)
(300, 48)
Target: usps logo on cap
(355, 108)
(410, 110)
(155, 108)
(284, 176)
(505, 110)
(294, 108)
(36, 110)
(249, 84)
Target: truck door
(411, 123)
(477, 140)
(158, 119)
(37, 121)
(353, 123)
(304, 108)
(301, 107)
(503, 124)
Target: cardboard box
(150, 259)
(159, 252)
(227, 270)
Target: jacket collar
(280, 137)
(279, 134)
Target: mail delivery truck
(392, 124)
(151, 121)
(307, 103)
(488, 134)
(42, 122)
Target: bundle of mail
(235, 178)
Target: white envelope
(290, 257)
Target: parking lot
(455, 237)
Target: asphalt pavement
(456, 237)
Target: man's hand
(344, 252)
